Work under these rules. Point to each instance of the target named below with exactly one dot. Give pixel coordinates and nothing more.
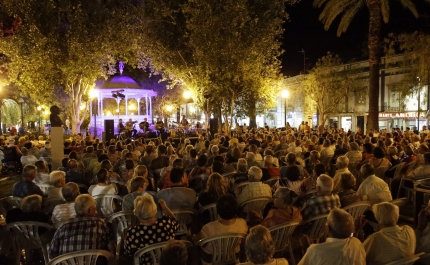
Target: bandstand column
(138, 106)
(146, 105)
(126, 105)
(150, 106)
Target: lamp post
(39, 109)
(284, 95)
(187, 95)
(21, 102)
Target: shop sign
(402, 115)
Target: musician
(121, 127)
(129, 126)
(159, 125)
(184, 121)
(144, 125)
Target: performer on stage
(184, 121)
(159, 125)
(144, 125)
(129, 126)
(121, 127)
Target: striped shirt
(80, 233)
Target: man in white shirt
(340, 248)
(326, 153)
(255, 188)
(423, 171)
(391, 242)
(372, 188)
(342, 168)
(423, 234)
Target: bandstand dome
(130, 89)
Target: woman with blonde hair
(150, 229)
(142, 171)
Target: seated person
(73, 174)
(57, 179)
(26, 186)
(66, 211)
(391, 242)
(259, 248)
(102, 187)
(284, 211)
(256, 188)
(292, 180)
(347, 194)
(342, 163)
(178, 196)
(340, 248)
(227, 223)
(423, 234)
(372, 188)
(31, 210)
(270, 171)
(42, 175)
(138, 186)
(26, 158)
(323, 202)
(423, 171)
(174, 252)
(150, 229)
(241, 172)
(85, 231)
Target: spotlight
(115, 95)
(120, 95)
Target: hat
(48, 146)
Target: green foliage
(327, 85)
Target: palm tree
(378, 10)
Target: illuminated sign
(402, 115)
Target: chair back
(14, 202)
(281, 234)
(108, 203)
(154, 252)
(44, 188)
(256, 204)
(83, 257)
(317, 231)
(121, 221)
(27, 233)
(51, 203)
(184, 217)
(398, 169)
(271, 182)
(357, 209)
(223, 247)
(380, 171)
(410, 166)
(408, 260)
(400, 201)
(211, 209)
(239, 188)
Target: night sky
(304, 30)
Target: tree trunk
(252, 114)
(374, 45)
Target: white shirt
(390, 244)
(335, 251)
(94, 190)
(375, 190)
(28, 160)
(63, 213)
(41, 178)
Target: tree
(227, 49)
(67, 44)
(327, 85)
(378, 11)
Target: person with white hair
(342, 168)
(340, 248)
(255, 188)
(57, 179)
(324, 201)
(250, 159)
(259, 247)
(391, 242)
(354, 155)
(269, 170)
(84, 232)
(150, 229)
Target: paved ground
(6, 183)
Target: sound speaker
(109, 130)
(213, 123)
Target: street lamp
(187, 95)
(21, 102)
(284, 95)
(39, 109)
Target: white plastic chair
(408, 260)
(239, 188)
(211, 209)
(317, 231)
(14, 202)
(84, 257)
(256, 204)
(51, 203)
(184, 217)
(223, 247)
(120, 222)
(281, 235)
(27, 237)
(357, 209)
(108, 203)
(154, 252)
(44, 188)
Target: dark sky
(304, 30)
